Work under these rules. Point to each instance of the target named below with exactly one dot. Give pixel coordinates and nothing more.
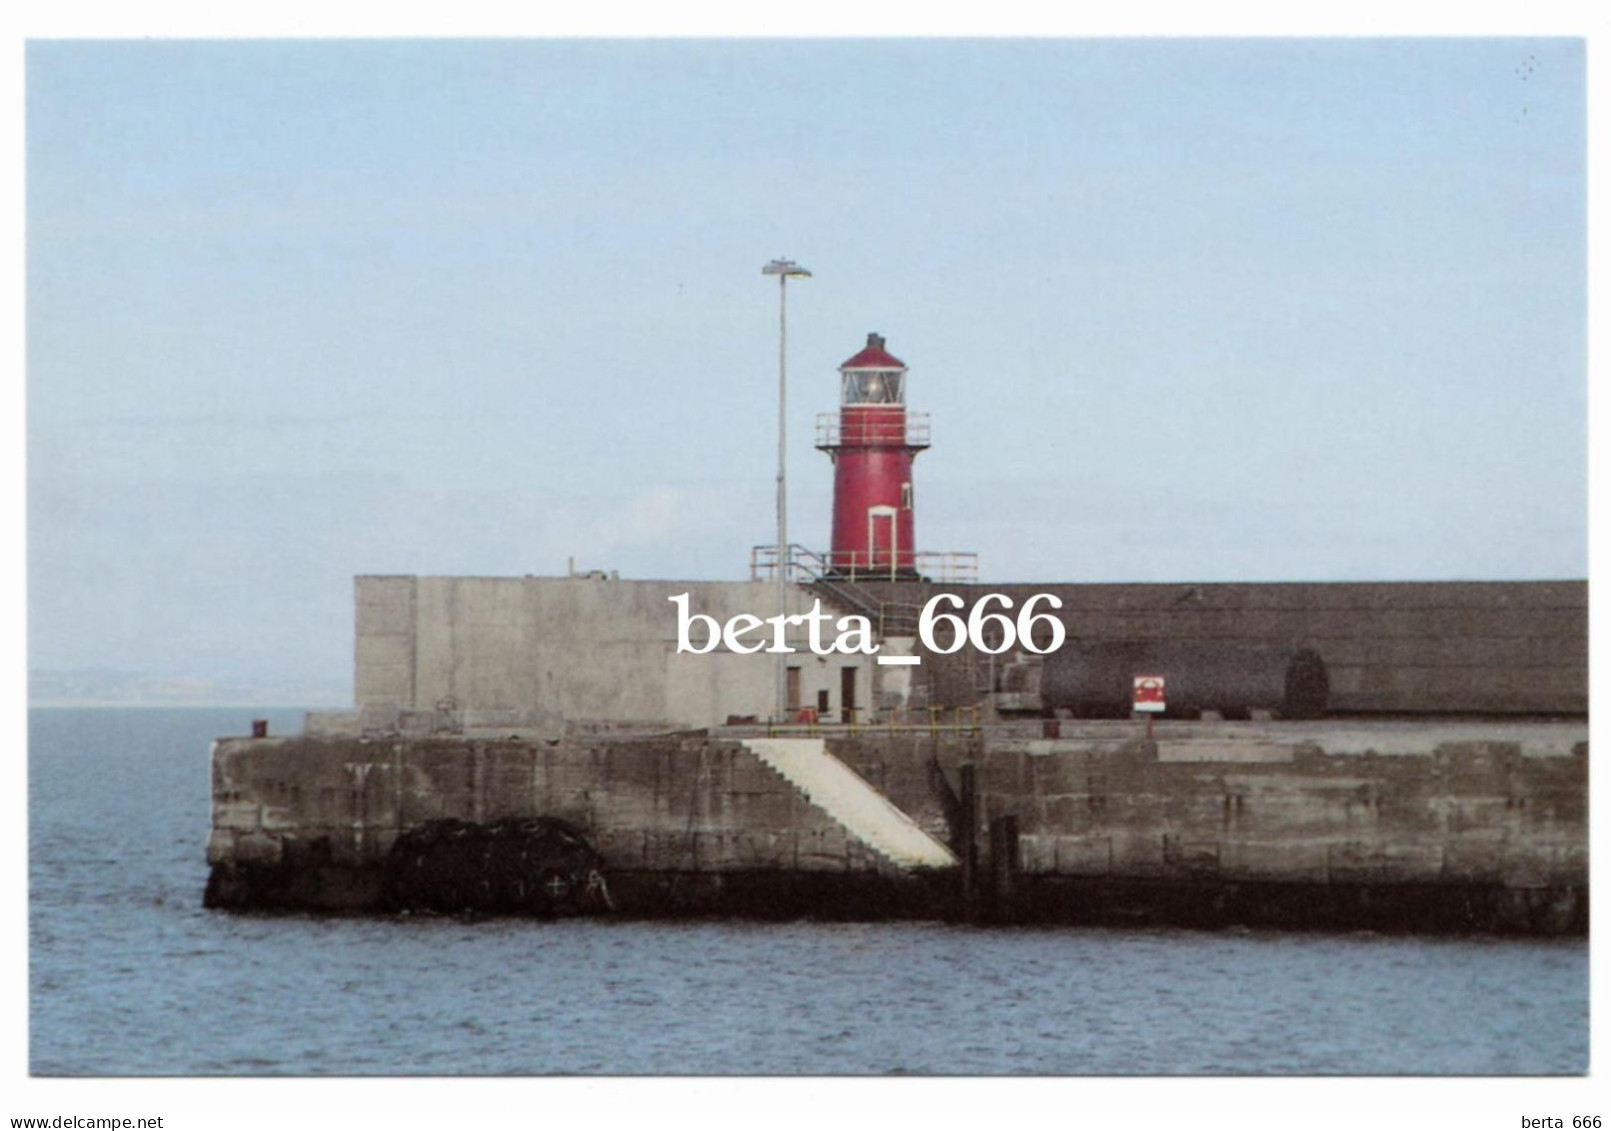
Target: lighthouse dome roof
(874, 356)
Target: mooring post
(1004, 867)
(967, 833)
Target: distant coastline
(101, 687)
(156, 705)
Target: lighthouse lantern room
(873, 441)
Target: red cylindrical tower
(872, 443)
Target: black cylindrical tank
(1097, 680)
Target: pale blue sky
(1181, 310)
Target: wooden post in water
(968, 835)
(1004, 867)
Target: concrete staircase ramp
(845, 796)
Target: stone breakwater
(1403, 826)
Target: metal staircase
(888, 618)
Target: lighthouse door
(891, 545)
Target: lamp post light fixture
(784, 269)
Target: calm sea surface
(130, 976)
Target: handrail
(803, 564)
(891, 618)
(947, 567)
(965, 720)
(835, 432)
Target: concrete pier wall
(1460, 828)
(308, 821)
(1496, 647)
(580, 648)
(597, 648)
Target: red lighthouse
(872, 443)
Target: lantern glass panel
(879, 386)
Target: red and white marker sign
(1149, 693)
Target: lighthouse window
(906, 496)
(880, 387)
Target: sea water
(130, 975)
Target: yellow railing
(941, 720)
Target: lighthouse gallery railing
(869, 429)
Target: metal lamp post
(784, 269)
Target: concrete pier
(1426, 826)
